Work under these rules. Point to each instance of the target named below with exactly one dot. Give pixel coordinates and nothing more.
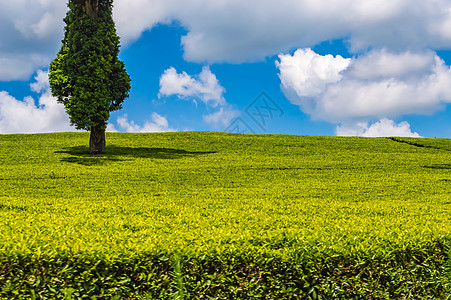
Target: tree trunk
(91, 7)
(97, 142)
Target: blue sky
(310, 67)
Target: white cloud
(384, 127)
(42, 82)
(383, 64)
(377, 85)
(237, 31)
(133, 17)
(45, 26)
(223, 117)
(158, 124)
(19, 66)
(205, 87)
(26, 117)
(421, 92)
(307, 74)
(111, 128)
(443, 28)
(29, 37)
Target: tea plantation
(198, 215)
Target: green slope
(315, 202)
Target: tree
(86, 75)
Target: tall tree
(86, 75)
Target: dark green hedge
(234, 276)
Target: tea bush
(194, 215)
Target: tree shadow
(417, 143)
(80, 155)
(439, 166)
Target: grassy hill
(195, 215)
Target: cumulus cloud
(157, 124)
(26, 117)
(18, 66)
(111, 128)
(306, 74)
(223, 117)
(377, 85)
(237, 31)
(133, 17)
(42, 82)
(30, 36)
(421, 92)
(384, 127)
(377, 65)
(205, 87)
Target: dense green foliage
(86, 75)
(224, 216)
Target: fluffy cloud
(307, 74)
(133, 17)
(20, 66)
(384, 127)
(312, 72)
(26, 117)
(381, 64)
(204, 87)
(396, 93)
(42, 82)
(32, 31)
(158, 124)
(237, 31)
(223, 117)
(377, 85)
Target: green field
(195, 215)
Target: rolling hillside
(199, 215)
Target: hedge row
(412, 275)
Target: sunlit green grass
(212, 193)
(199, 192)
